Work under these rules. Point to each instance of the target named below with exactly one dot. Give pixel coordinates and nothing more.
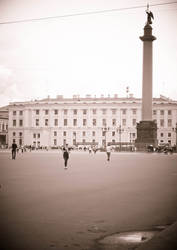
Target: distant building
(3, 126)
(87, 121)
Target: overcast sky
(85, 54)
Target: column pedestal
(146, 135)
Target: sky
(96, 54)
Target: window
(154, 112)
(65, 122)
(94, 122)
(83, 133)
(114, 111)
(65, 111)
(46, 112)
(38, 135)
(21, 112)
(133, 135)
(84, 122)
(55, 142)
(20, 141)
(169, 122)
(84, 111)
(169, 134)
(56, 112)
(14, 112)
(75, 122)
(93, 141)
(83, 140)
(161, 112)
(124, 122)
(64, 133)
(113, 122)
(103, 133)
(55, 133)
(124, 111)
(74, 134)
(20, 133)
(113, 141)
(161, 134)
(104, 111)
(34, 135)
(37, 111)
(104, 122)
(20, 123)
(14, 123)
(46, 122)
(169, 112)
(13, 133)
(134, 111)
(75, 111)
(134, 122)
(113, 133)
(93, 133)
(37, 122)
(56, 122)
(94, 111)
(161, 122)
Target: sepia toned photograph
(88, 125)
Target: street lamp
(74, 138)
(120, 130)
(105, 130)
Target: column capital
(147, 34)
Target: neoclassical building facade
(90, 120)
(3, 126)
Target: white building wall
(128, 131)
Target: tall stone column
(147, 39)
(147, 128)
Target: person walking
(14, 148)
(65, 157)
(108, 152)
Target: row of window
(84, 122)
(113, 133)
(94, 111)
(75, 111)
(15, 134)
(162, 134)
(94, 122)
(162, 112)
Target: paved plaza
(46, 207)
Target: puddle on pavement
(128, 240)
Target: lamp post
(105, 130)
(74, 138)
(120, 130)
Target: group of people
(65, 153)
